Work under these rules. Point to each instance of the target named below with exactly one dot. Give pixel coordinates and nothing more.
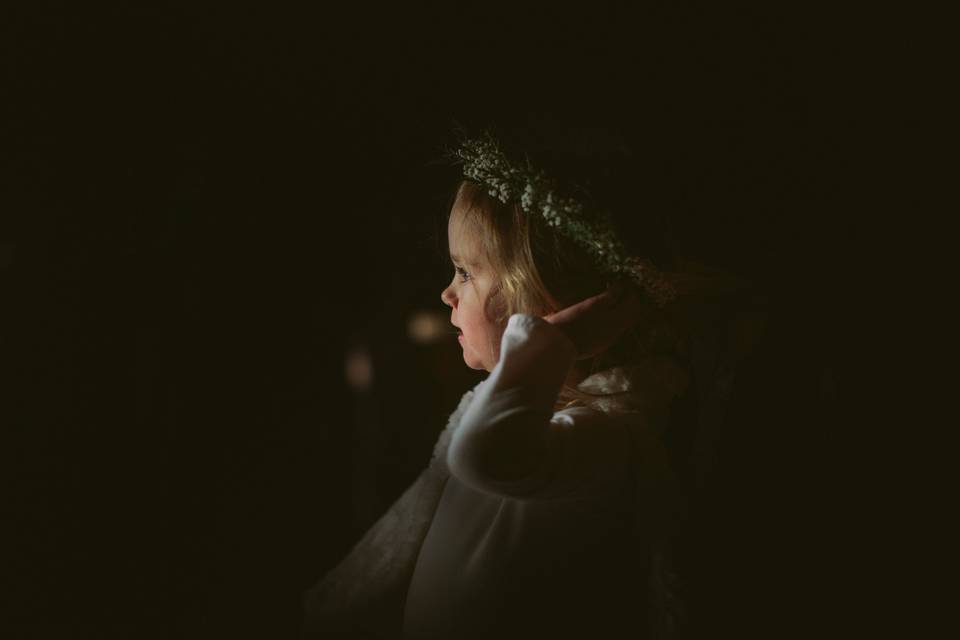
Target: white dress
(525, 522)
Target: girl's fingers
(620, 301)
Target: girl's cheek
(493, 306)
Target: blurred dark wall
(203, 204)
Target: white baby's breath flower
(484, 162)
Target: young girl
(542, 511)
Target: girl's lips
(459, 337)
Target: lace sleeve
(366, 591)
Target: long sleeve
(511, 443)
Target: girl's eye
(463, 273)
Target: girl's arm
(511, 443)
(365, 592)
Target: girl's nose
(447, 297)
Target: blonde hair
(537, 272)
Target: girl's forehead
(460, 215)
(463, 237)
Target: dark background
(206, 205)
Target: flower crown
(485, 162)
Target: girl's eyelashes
(463, 273)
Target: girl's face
(469, 296)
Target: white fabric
(524, 517)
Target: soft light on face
(468, 295)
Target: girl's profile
(545, 509)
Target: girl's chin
(474, 364)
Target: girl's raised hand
(597, 322)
